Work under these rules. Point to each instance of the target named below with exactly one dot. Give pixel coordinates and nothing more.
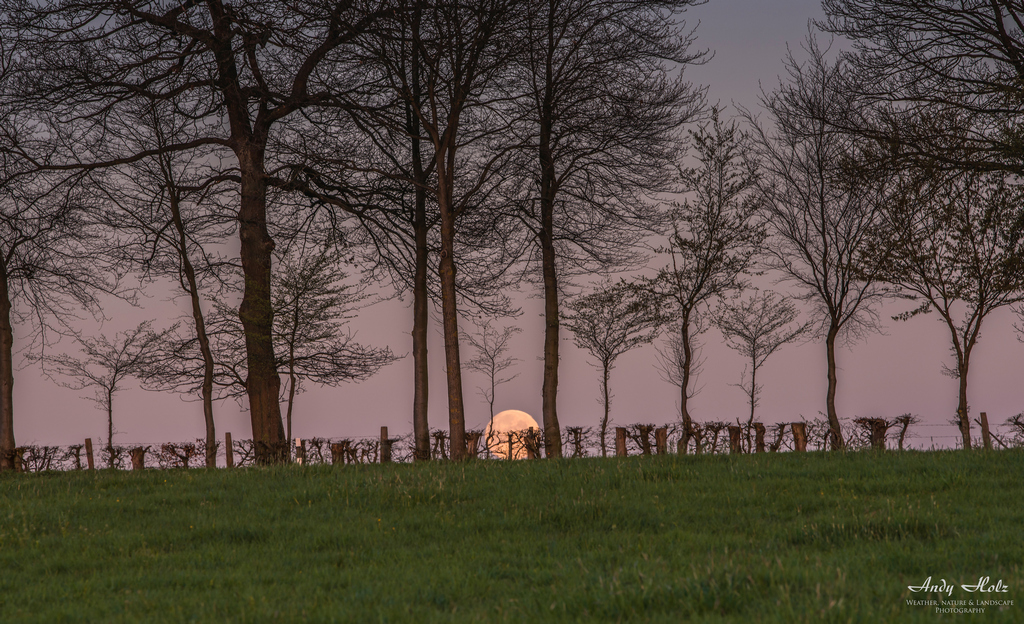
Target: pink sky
(884, 375)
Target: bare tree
(464, 49)
(440, 87)
(681, 363)
(756, 328)
(608, 322)
(936, 59)
(49, 271)
(819, 208)
(104, 366)
(312, 305)
(713, 241)
(244, 67)
(375, 166)
(905, 422)
(491, 346)
(957, 249)
(601, 118)
(166, 215)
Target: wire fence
(709, 437)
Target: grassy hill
(751, 538)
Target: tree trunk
(110, 429)
(450, 319)
(292, 334)
(753, 396)
(200, 324)
(963, 365)
(7, 443)
(684, 387)
(835, 433)
(263, 384)
(548, 190)
(291, 395)
(961, 410)
(753, 400)
(420, 422)
(607, 406)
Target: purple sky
(884, 375)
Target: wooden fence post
(337, 453)
(734, 439)
(229, 451)
(620, 441)
(138, 458)
(799, 437)
(986, 436)
(300, 451)
(88, 453)
(19, 459)
(473, 444)
(510, 438)
(759, 437)
(531, 451)
(878, 429)
(385, 446)
(661, 440)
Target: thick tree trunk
(835, 433)
(420, 422)
(450, 321)
(204, 340)
(548, 190)
(7, 444)
(549, 390)
(263, 384)
(420, 295)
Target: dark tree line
(429, 113)
(458, 147)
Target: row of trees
(455, 147)
(436, 141)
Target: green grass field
(751, 538)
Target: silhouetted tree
(104, 366)
(938, 60)
(440, 89)
(819, 207)
(713, 241)
(957, 248)
(244, 67)
(312, 305)
(49, 271)
(756, 328)
(608, 322)
(464, 49)
(605, 98)
(166, 215)
(491, 360)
